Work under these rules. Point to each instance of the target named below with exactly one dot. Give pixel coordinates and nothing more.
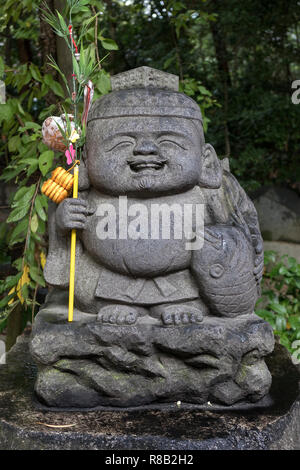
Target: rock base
(89, 364)
(24, 425)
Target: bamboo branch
(96, 36)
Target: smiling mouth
(141, 165)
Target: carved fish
(224, 269)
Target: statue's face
(143, 156)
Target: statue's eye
(172, 142)
(216, 270)
(124, 143)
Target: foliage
(28, 160)
(280, 301)
(236, 59)
(245, 53)
(202, 95)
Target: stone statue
(154, 321)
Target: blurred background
(240, 60)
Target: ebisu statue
(158, 319)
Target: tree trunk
(48, 48)
(223, 68)
(64, 56)
(55, 46)
(112, 59)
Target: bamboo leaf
(64, 27)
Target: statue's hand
(71, 213)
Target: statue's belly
(143, 258)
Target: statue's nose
(145, 147)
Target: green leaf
(109, 44)
(43, 200)
(18, 213)
(32, 168)
(280, 323)
(31, 125)
(35, 72)
(42, 227)
(19, 229)
(9, 174)
(63, 25)
(168, 62)
(34, 223)
(278, 308)
(284, 271)
(103, 83)
(81, 9)
(6, 112)
(45, 161)
(5, 301)
(294, 321)
(56, 67)
(48, 79)
(23, 195)
(57, 89)
(284, 340)
(204, 91)
(36, 275)
(39, 208)
(10, 282)
(14, 143)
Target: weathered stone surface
(144, 77)
(88, 362)
(278, 212)
(271, 424)
(164, 303)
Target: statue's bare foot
(189, 312)
(181, 318)
(118, 315)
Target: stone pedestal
(25, 424)
(88, 363)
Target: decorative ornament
(74, 136)
(51, 132)
(70, 154)
(58, 187)
(88, 96)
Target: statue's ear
(83, 178)
(211, 171)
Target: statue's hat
(144, 91)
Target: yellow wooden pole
(72, 256)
